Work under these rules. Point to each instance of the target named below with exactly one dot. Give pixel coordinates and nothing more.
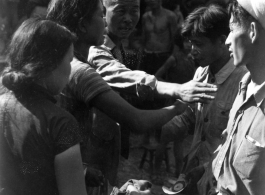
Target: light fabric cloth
(209, 119)
(117, 75)
(239, 166)
(256, 8)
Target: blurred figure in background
(159, 28)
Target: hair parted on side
(210, 21)
(70, 13)
(36, 49)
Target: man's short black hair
(240, 15)
(209, 21)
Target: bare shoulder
(147, 15)
(169, 13)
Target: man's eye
(120, 11)
(135, 11)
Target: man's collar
(225, 72)
(108, 43)
(259, 92)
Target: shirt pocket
(249, 159)
(221, 116)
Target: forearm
(164, 89)
(140, 120)
(155, 119)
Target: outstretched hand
(195, 91)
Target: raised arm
(141, 120)
(138, 82)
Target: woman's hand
(94, 177)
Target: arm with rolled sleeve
(140, 83)
(119, 77)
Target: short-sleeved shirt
(98, 148)
(33, 130)
(84, 85)
(239, 166)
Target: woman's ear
(82, 27)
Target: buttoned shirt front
(239, 166)
(107, 60)
(209, 119)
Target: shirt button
(212, 80)
(206, 120)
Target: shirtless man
(159, 30)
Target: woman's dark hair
(36, 49)
(71, 12)
(210, 21)
(240, 15)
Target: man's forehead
(198, 39)
(108, 3)
(232, 22)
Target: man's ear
(254, 32)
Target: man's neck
(218, 65)
(156, 11)
(257, 74)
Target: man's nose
(227, 41)
(127, 18)
(194, 50)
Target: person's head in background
(40, 53)
(121, 18)
(154, 4)
(82, 17)
(207, 28)
(246, 40)
(37, 8)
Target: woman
(39, 142)
(87, 89)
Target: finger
(207, 85)
(205, 100)
(200, 90)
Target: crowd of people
(82, 75)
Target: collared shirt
(108, 63)
(239, 166)
(210, 119)
(33, 130)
